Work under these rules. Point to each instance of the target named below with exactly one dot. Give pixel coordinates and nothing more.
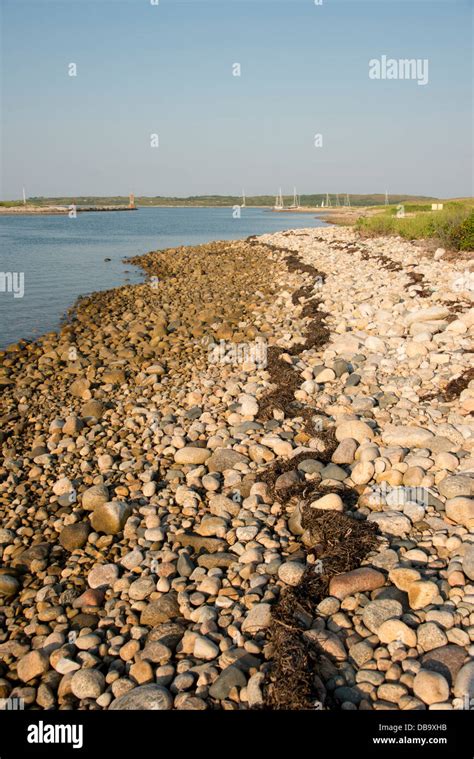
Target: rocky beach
(247, 483)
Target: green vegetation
(453, 227)
(310, 201)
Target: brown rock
(162, 610)
(74, 536)
(357, 581)
(32, 665)
(447, 660)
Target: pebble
(391, 522)
(87, 683)
(9, 586)
(377, 612)
(329, 502)
(355, 430)
(430, 687)
(403, 577)
(464, 684)
(430, 636)
(103, 575)
(258, 618)
(356, 581)
(422, 593)
(467, 561)
(34, 664)
(144, 698)
(459, 485)
(205, 648)
(110, 517)
(231, 677)
(395, 630)
(192, 455)
(94, 496)
(291, 572)
(461, 510)
(74, 536)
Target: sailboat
(296, 202)
(242, 205)
(278, 202)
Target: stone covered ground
(183, 528)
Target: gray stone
(225, 458)
(258, 618)
(287, 480)
(310, 466)
(291, 572)
(361, 653)
(144, 697)
(333, 472)
(377, 612)
(464, 684)
(345, 451)
(391, 522)
(87, 683)
(103, 575)
(231, 677)
(184, 565)
(141, 588)
(468, 561)
(457, 485)
(192, 455)
(407, 437)
(430, 636)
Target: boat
(242, 205)
(278, 202)
(296, 200)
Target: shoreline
(158, 480)
(58, 210)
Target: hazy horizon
(168, 70)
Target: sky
(167, 69)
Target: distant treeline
(222, 200)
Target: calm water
(62, 258)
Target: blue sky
(167, 69)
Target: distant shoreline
(58, 210)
